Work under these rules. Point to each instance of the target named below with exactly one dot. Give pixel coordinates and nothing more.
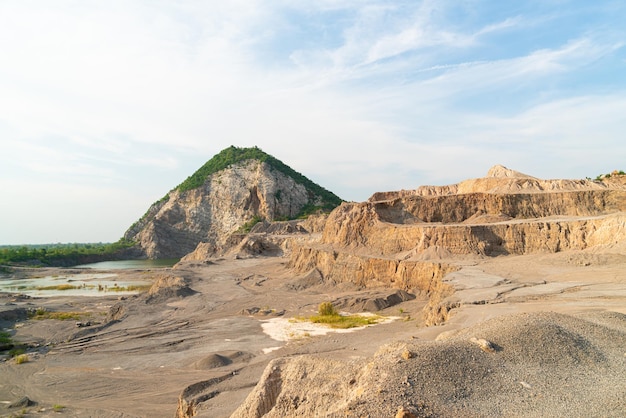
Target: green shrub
(247, 227)
(33, 313)
(329, 315)
(327, 309)
(5, 338)
(608, 175)
(16, 351)
(61, 254)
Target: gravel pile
(526, 365)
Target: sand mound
(434, 252)
(311, 279)
(212, 361)
(215, 360)
(168, 287)
(9, 314)
(500, 171)
(254, 245)
(541, 364)
(544, 339)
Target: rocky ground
(501, 296)
(202, 338)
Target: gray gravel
(545, 365)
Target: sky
(105, 106)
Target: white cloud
(507, 23)
(491, 75)
(361, 96)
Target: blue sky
(105, 106)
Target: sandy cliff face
(500, 179)
(210, 213)
(478, 223)
(409, 239)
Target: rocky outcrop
(366, 271)
(264, 239)
(413, 241)
(481, 223)
(195, 394)
(410, 241)
(545, 234)
(372, 302)
(500, 179)
(222, 204)
(167, 287)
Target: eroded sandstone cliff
(411, 240)
(500, 179)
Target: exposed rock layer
(209, 214)
(500, 179)
(409, 240)
(344, 267)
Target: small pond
(73, 285)
(131, 264)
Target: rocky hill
(232, 191)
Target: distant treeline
(63, 254)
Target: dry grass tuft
(41, 314)
(22, 358)
(328, 315)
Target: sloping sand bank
(555, 321)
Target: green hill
(233, 155)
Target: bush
(5, 338)
(327, 309)
(16, 351)
(247, 227)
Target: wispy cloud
(360, 95)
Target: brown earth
(203, 347)
(525, 295)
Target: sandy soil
(140, 353)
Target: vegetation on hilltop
(233, 155)
(608, 175)
(62, 254)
